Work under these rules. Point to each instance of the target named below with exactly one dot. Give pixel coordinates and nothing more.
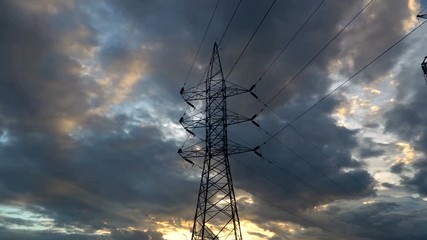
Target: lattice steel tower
(216, 212)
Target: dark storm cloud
(418, 181)
(64, 168)
(397, 168)
(368, 152)
(269, 40)
(402, 219)
(408, 121)
(28, 93)
(388, 185)
(183, 27)
(369, 148)
(371, 35)
(95, 185)
(102, 178)
(372, 125)
(319, 166)
(38, 87)
(7, 221)
(116, 172)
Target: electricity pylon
(216, 212)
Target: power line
(266, 105)
(308, 186)
(201, 43)
(273, 182)
(304, 138)
(290, 41)
(229, 22)
(334, 90)
(343, 83)
(250, 39)
(286, 172)
(358, 72)
(277, 57)
(223, 35)
(318, 53)
(296, 177)
(321, 173)
(330, 93)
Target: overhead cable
(201, 42)
(290, 41)
(343, 83)
(250, 39)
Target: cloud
(407, 121)
(89, 104)
(46, 108)
(384, 220)
(397, 168)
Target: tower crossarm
(193, 121)
(236, 148)
(194, 151)
(233, 89)
(235, 118)
(198, 92)
(198, 120)
(424, 16)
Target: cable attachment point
(186, 159)
(253, 120)
(190, 132)
(182, 91)
(252, 93)
(189, 103)
(256, 152)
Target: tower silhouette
(216, 214)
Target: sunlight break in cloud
(414, 7)
(408, 153)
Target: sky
(90, 108)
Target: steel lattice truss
(216, 212)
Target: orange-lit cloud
(66, 125)
(352, 106)
(372, 90)
(375, 109)
(368, 202)
(414, 8)
(408, 153)
(175, 230)
(118, 83)
(321, 208)
(78, 43)
(249, 228)
(46, 6)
